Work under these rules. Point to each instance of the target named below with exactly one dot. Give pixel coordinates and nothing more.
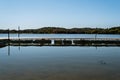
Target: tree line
(59, 30)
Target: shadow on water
(102, 62)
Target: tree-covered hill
(59, 30)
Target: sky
(59, 13)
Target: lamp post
(8, 34)
(18, 31)
(19, 36)
(96, 34)
(8, 42)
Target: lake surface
(63, 35)
(60, 63)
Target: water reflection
(19, 44)
(8, 50)
(60, 63)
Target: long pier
(61, 41)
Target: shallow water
(59, 63)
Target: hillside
(58, 30)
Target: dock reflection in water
(60, 63)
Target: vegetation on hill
(58, 30)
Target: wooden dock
(61, 41)
(116, 39)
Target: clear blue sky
(59, 13)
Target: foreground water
(59, 63)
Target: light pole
(18, 31)
(96, 34)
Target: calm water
(63, 35)
(60, 63)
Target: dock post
(19, 36)
(8, 37)
(96, 34)
(18, 31)
(8, 34)
(8, 42)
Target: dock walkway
(61, 41)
